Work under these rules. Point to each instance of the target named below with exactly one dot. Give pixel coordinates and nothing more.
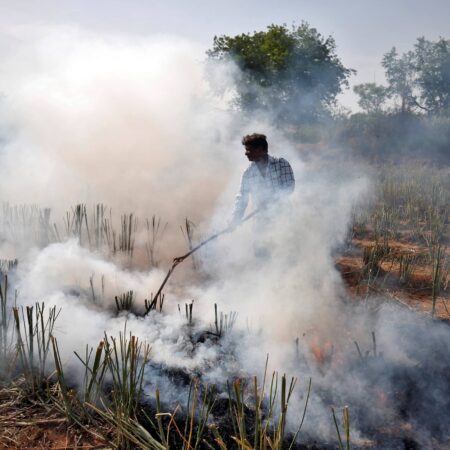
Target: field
(177, 374)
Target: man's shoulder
(278, 161)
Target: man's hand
(178, 260)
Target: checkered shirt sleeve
(241, 201)
(281, 171)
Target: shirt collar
(270, 160)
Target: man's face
(254, 153)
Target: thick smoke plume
(133, 124)
(129, 123)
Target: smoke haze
(129, 123)
(132, 123)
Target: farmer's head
(255, 146)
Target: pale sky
(363, 30)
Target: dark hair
(255, 140)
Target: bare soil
(415, 294)
(27, 425)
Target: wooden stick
(214, 236)
(180, 259)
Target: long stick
(180, 259)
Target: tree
(432, 61)
(420, 79)
(400, 75)
(293, 72)
(372, 97)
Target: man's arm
(241, 202)
(287, 180)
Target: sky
(363, 30)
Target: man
(267, 179)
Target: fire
(322, 351)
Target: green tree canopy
(293, 72)
(432, 60)
(420, 78)
(372, 97)
(400, 75)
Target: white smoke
(132, 123)
(127, 122)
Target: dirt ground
(415, 294)
(28, 425)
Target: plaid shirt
(278, 178)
